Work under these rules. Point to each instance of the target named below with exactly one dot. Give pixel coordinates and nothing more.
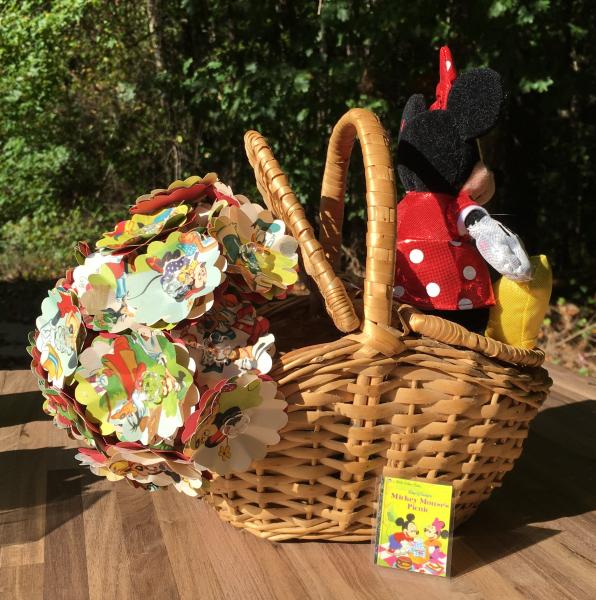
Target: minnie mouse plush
(444, 235)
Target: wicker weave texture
(381, 400)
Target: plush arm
(499, 246)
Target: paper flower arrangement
(151, 351)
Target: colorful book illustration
(414, 530)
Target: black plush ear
(432, 156)
(475, 102)
(414, 106)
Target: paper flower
(261, 257)
(152, 470)
(228, 341)
(234, 424)
(142, 227)
(60, 335)
(100, 283)
(190, 190)
(139, 389)
(175, 277)
(58, 404)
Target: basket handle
(273, 185)
(381, 199)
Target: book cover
(414, 524)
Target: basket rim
(411, 320)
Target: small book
(414, 526)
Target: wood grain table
(66, 534)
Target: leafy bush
(102, 101)
(41, 245)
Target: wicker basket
(405, 395)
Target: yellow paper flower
(141, 228)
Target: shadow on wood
(553, 478)
(31, 488)
(18, 409)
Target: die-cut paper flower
(135, 388)
(60, 335)
(243, 419)
(142, 227)
(100, 283)
(174, 277)
(261, 257)
(191, 189)
(228, 341)
(152, 470)
(58, 404)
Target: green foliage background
(102, 101)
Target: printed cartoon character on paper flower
(59, 328)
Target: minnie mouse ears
(474, 99)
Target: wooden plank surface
(66, 534)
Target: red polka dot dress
(437, 265)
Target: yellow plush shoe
(520, 307)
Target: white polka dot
(416, 256)
(433, 289)
(469, 272)
(464, 303)
(454, 243)
(398, 291)
(447, 65)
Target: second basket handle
(381, 200)
(281, 200)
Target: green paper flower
(260, 255)
(174, 278)
(138, 388)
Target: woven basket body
(388, 391)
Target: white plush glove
(501, 249)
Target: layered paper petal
(134, 387)
(261, 257)
(60, 335)
(173, 276)
(245, 417)
(142, 227)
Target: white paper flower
(245, 419)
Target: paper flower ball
(156, 360)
